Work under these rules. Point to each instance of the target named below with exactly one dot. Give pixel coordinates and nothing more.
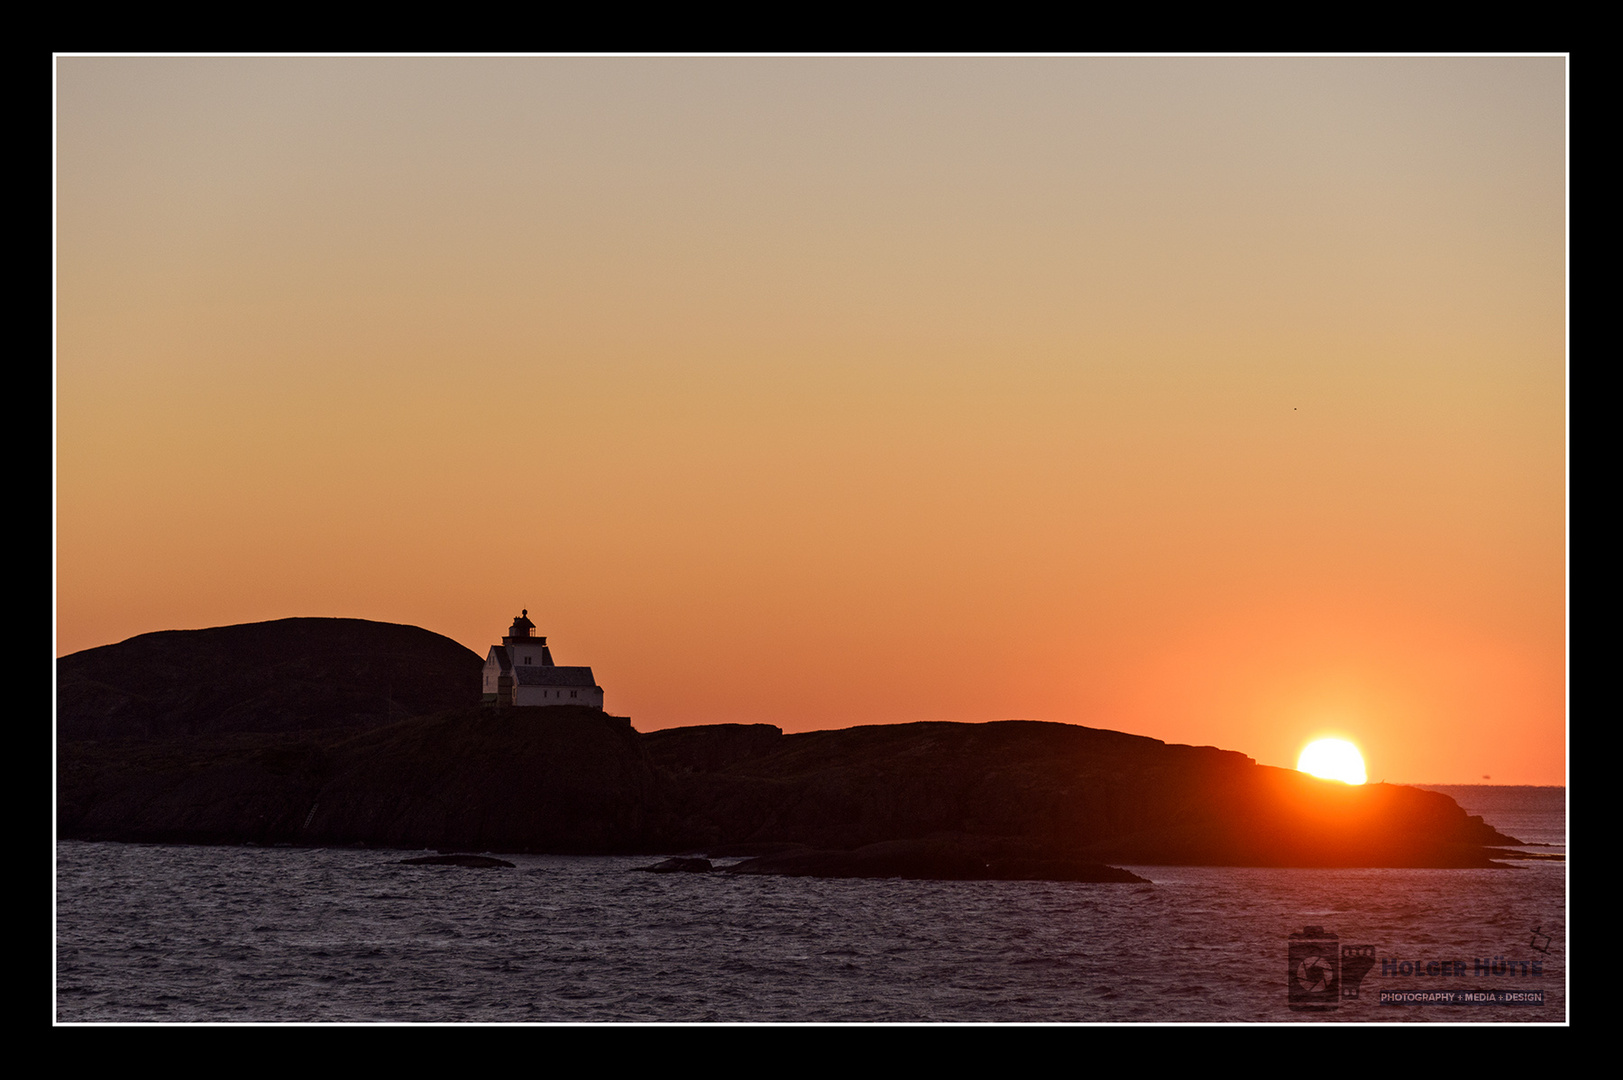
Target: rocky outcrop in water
(472, 862)
(960, 858)
(577, 780)
(1011, 798)
(680, 865)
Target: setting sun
(1333, 759)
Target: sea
(164, 934)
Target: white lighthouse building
(520, 671)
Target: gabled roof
(538, 675)
(498, 653)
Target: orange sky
(1219, 400)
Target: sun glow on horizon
(1333, 759)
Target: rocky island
(347, 732)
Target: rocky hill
(286, 675)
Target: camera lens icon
(1314, 974)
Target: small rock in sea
(680, 866)
(456, 860)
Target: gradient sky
(1219, 400)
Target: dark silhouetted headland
(283, 737)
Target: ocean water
(154, 933)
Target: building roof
(552, 675)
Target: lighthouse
(521, 671)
